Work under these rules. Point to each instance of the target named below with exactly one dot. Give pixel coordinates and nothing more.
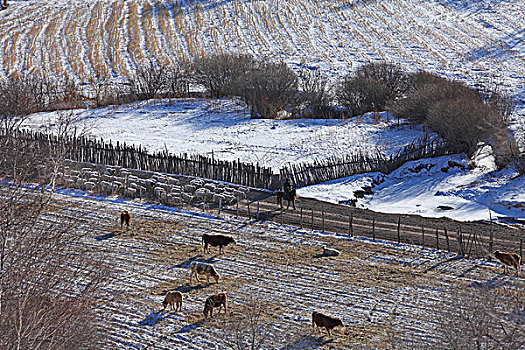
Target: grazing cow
(215, 300)
(125, 217)
(322, 320)
(509, 259)
(216, 240)
(199, 268)
(330, 252)
(174, 300)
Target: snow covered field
(382, 291)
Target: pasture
(383, 292)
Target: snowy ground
(222, 128)
(382, 291)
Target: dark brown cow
(125, 217)
(215, 300)
(216, 240)
(509, 259)
(173, 300)
(322, 320)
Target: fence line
(337, 167)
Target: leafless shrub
(248, 327)
(372, 87)
(268, 88)
(149, 80)
(49, 280)
(315, 99)
(464, 122)
(481, 317)
(221, 74)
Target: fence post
(448, 242)
(399, 230)
(281, 215)
(248, 204)
(460, 243)
(350, 226)
(521, 249)
(322, 215)
(437, 239)
(491, 235)
(374, 228)
(220, 205)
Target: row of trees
(464, 116)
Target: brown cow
(216, 240)
(174, 300)
(125, 217)
(322, 320)
(509, 259)
(215, 300)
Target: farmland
(382, 291)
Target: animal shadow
(190, 327)
(199, 258)
(152, 319)
(106, 236)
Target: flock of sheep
(168, 190)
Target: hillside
(474, 41)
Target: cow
(199, 268)
(322, 320)
(509, 259)
(215, 300)
(125, 217)
(216, 240)
(174, 300)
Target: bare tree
(481, 317)
(222, 75)
(149, 80)
(49, 280)
(315, 99)
(248, 327)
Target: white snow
(222, 128)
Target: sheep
(330, 252)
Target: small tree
(315, 99)
(372, 87)
(464, 122)
(481, 317)
(149, 80)
(49, 280)
(268, 88)
(222, 74)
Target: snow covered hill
(474, 41)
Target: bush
(314, 100)
(464, 122)
(371, 88)
(221, 74)
(268, 89)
